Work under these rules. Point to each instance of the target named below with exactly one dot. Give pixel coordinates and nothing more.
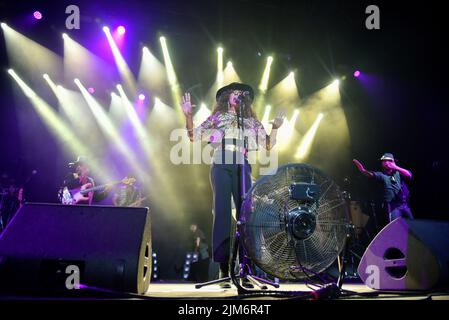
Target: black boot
(224, 273)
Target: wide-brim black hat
(236, 86)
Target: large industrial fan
(294, 222)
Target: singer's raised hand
(187, 105)
(279, 120)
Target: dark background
(404, 113)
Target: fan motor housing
(301, 222)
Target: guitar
(138, 202)
(74, 196)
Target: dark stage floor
(187, 291)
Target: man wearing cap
(81, 180)
(393, 178)
(222, 131)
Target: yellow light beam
(152, 75)
(293, 119)
(220, 74)
(172, 80)
(286, 131)
(59, 129)
(335, 85)
(116, 110)
(230, 75)
(334, 138)
(285, 93)
(81, 63)
(266, 116)
(163, 117)
(122, 66)
(132, 114)
(306, 142)
(266, 75)
(260, 99)
(51, 84)
(109, 129)
(67, 105)
(202, 114)
(149, 146)
(28, 56)
(74, 107)
(160, 122)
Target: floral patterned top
(221, 126)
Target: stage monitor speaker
(408, 255)
(54, 247)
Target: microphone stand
(244, 262)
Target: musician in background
(199, 270)
(392, 177)
(81, 179)
(128, 194)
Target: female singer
(222, 130)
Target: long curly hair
(222, 105)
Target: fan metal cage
(287, 237)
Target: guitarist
(81, 179)
(128, 195)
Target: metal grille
(265, 232)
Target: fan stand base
(256, 281)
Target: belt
(232, 148)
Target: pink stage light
(37, 15)
(121, 30)
(357, 74)
(91, 90)
(141, 97)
